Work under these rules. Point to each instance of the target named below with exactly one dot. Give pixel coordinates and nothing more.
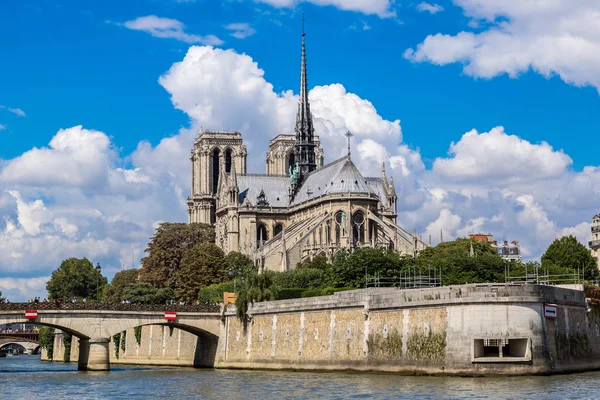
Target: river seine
(26, 377)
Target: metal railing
(101, 306)
(535, 276)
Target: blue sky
(441, 68)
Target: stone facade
(301, 207)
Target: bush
(306, 278)
(214, 293)
(290, 293)
(312, 293)
(330, 290)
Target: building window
(278, 229)
(215, 170)
(261, 235)
(358, 228)
(228, 160)
(340, 226)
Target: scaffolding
(408, 279)
(542, 277)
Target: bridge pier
(94, 354)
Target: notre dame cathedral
(301, 207)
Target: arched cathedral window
(358, 227)
(340, 226)
(228, 160)
(277, 230)
(215, 170)
(261, 235)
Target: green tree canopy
(75, 277)
(566, 255)
(2, 299)
(145, 293)
(167, 248)
(201, 266)
(237, 262)
(113, 293)
(254, 287)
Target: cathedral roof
(275, 188)
(340, 176)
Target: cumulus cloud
(497, 157)
(551, 37)
(170, 29)
(430, 8)
(240, 30)
(382, 8)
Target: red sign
(30, 314)
(550, 311)
(170, 315)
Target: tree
(167, 248)
(2, 299)
(46, 338)
(565, 255)
(237, 262)
(75, 277)
(113, 293)
(255, 287)
(317, 262)
(145, 293)
(202, 265)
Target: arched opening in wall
(328, 232)
(291, 162)
(204, 350)
(340, 226)
(277, 229)
(215, 170)
(358, 228)
(228, 160)
(13, 348)
(261, 235)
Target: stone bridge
(95, 323)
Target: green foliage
(67, 339)
(255, 287)
(566, 254)
(168, 247)
(113, 293)
(311, 293)
(145, 293)
(307, 278)
(330, 290)
(2, 299)
(385, 348)
(214, 293)
(46, 338)
(201, 266)
(75, 277)
(138, 334)
(290, 293)
(123, 340)
(116, 342)
(237, 262)
(426, 348)
(318, 262)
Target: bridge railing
(101, 306)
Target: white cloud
(551, 37)
(499, 158)
(2, 127)
(14, 289)
(430, 8)
(16, 111)
(169, 28)
(241, 30)
(382, 8)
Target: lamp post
(231, 275)
(99, 271)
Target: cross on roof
(349, 135)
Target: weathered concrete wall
(418, 331)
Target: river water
(26, 377)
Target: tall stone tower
(281, 155)
(213, 152)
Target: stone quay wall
(464, 330)
(159, 345)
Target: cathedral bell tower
(305, 133)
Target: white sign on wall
(550, 311)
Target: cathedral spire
(305, 144)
